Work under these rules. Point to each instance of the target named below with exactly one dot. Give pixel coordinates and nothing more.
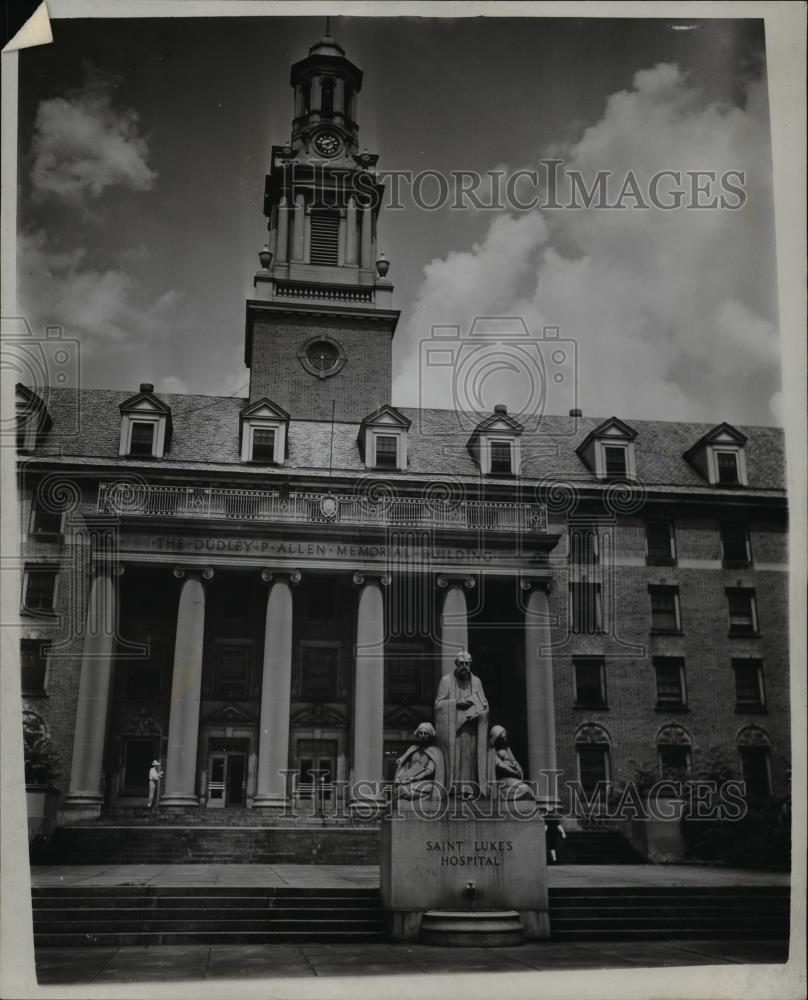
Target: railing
(334, 293)
(135, 500)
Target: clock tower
(320, 325)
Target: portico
(260, 672)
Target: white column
(454, 624)
(368, 716)
(539, 701)
(366, 249)
(299, 234)
(282, 253)
(186, 689)
(95, 682)
(276, 691)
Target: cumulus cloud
(171, 384)
(673, 311)
(103, 308)
(83, 145)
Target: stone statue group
(460, 753)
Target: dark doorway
(235, 779)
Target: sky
(144, 145)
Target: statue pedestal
(473, 871)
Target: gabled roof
(31, 403)
(145, 400)
(614, 427)
(263, 407)
(720, 434)
(386, 416)
(500, 420)
(206, 439)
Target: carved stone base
(466, 867)
(464, 929)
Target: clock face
(327, 143)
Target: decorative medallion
(328, 507)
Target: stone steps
(117, 844)
(154, 915)
(647, 913)
(150, 915)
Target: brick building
(254, 589)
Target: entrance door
(227, 779)
(316, 759)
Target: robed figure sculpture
(461, 719)
(420, 769)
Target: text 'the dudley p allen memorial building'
(252, 590)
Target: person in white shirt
(154, 780)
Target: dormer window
(495, 444)
(263, 445)
(615, 461)
(501, 458)
(726, 466)
(145, 425)
(608, 450)
(386, 451)
(720, 457)
(264, 433)
(141, 438)
(382, 439)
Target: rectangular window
(749, 691)
(727, 464)
(670, 682)
(615, 461)
(742, 612)
(34, 665)
(263, 445)
(593, 766)
(664, 609)
(141, 441)
(756, 771)
(324, 237)
(585, 613)
(583, 546)
(45, 522)
(319, 673)
(232, 672)
(735, 544)
(660, 541)
(386, 451)
(501, 457)
(40, 589)
(590, 682)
